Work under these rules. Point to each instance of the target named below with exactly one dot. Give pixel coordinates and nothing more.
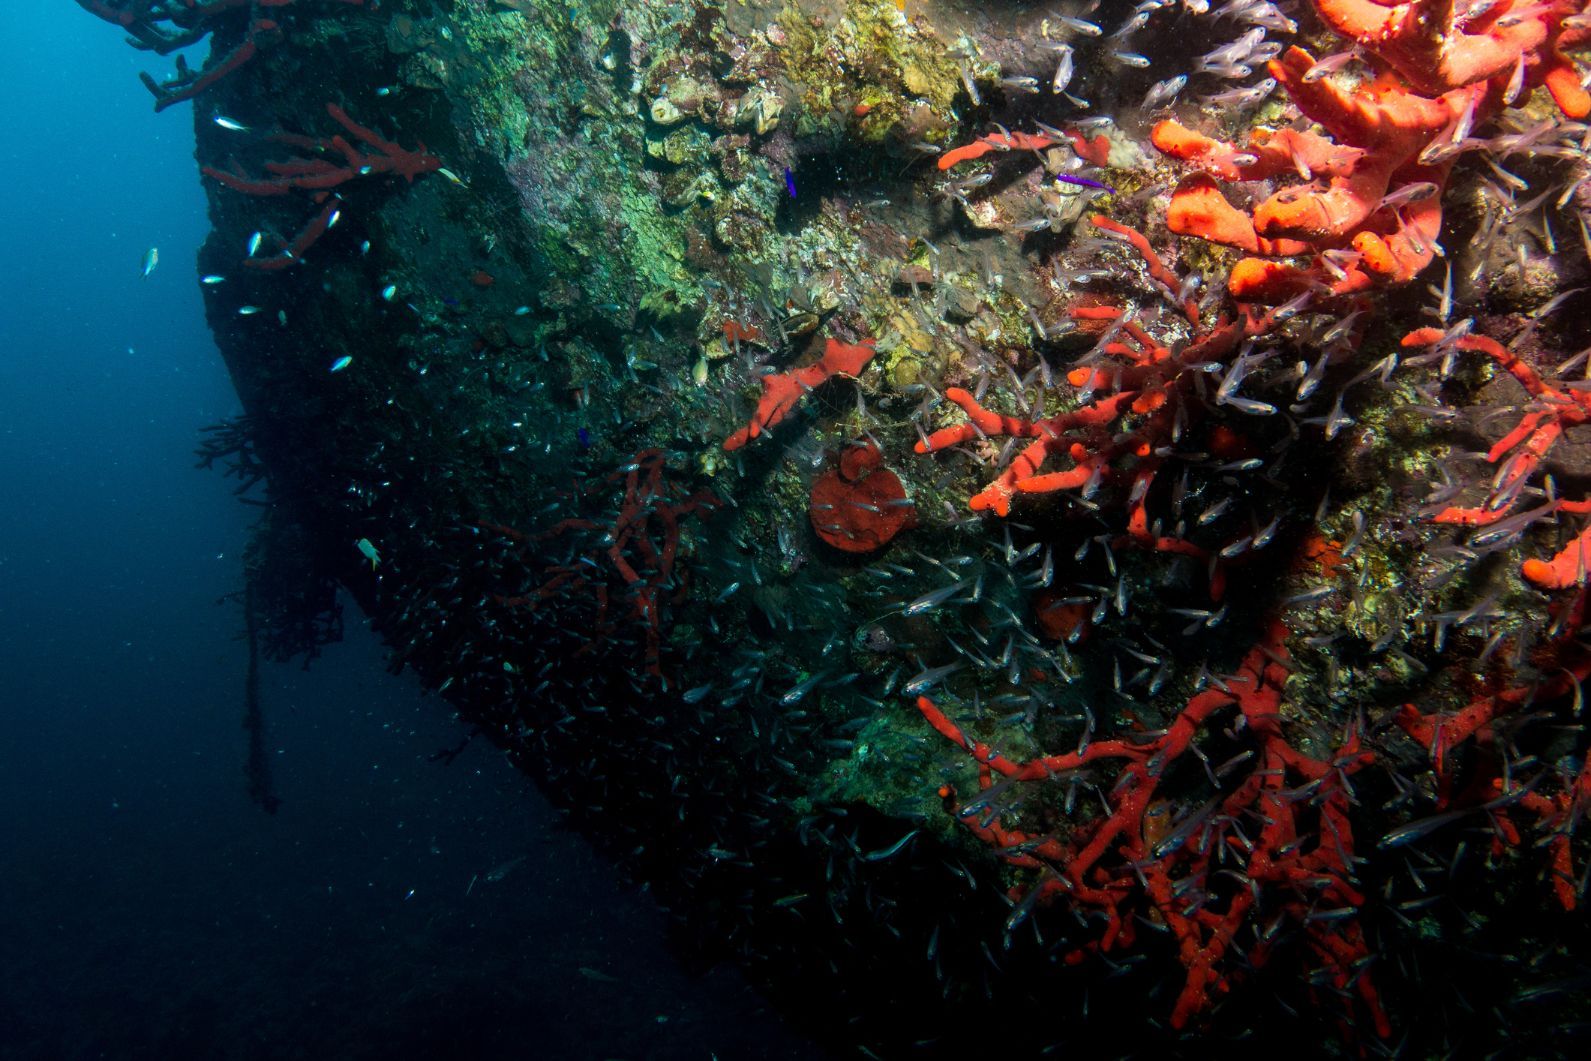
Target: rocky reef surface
(1029, 525)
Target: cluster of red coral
(1369, 210)
(1366, 213)
(641, 542)
(332, 162)
(1204, 879)
(1155, 383)
(165, 26)
(1489, 785)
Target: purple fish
(789, 182)
(1084, 182)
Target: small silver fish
(932, 600)
(1329, 65)
(798, 692)
(230, 125)
(1064, 69)
(925, 680)
(254, 243)
(1078, 25)
(1243, 97)
(1164, 92)
(497, 874)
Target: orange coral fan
(1374, 182)
(859, 505)
(781, 391)
(1378, 133)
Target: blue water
(147, 907)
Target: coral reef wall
(1030, 525)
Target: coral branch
(781, 391)
(189, 83)
(165, 26)
(994, 142)
(1522, 452)
(1492, 791)
(1124, 867)
(640, 540)
(1154, 383)
(319, 175)
(322, 174)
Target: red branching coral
(165, 26)
(641, 545)
(1491, 789)
(1374, 182)
(781, 390)
(1152, 381)
(1219, 889)
(859, 505)
(1521, 451)
(323, 174)
(333, 161)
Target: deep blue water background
(147, 908)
